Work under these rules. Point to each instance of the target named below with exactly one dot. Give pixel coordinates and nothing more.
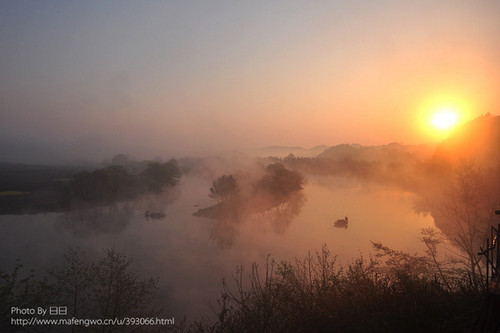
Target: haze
(88, 79)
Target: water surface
(191, 255)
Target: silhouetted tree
(318, 295)
(466, 211)
(16, 290)
(72, 283)
(117, 291)
(223, 188)
(159, 175)
(280, 181)
(105, 288)
(103, 185)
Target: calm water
(191, 255)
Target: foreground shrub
(317, 295)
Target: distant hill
(390, 153)
(478, 139)
(283, 151)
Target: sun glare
(440, 113)
(444, 119)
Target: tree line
(114, 183)
(278, 181)
(46, 189)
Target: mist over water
(192, 223)
(218, 213)
(191, 255)
(190, 90)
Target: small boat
(154, 215)
(342, 223)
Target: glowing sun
(444, 119)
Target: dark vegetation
(393, 291)
(275, 187)
(31, 189)
(411, 168)
(224, 188)
(459, 184)
(274, 195)
(115, 183)
(103, 288)
(393, 165)
(464, 210)
(279, 181)
(460, 194)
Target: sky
(89, 79)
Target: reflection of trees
(224, 232)
(224, 228)
(87, 221)
(281, 215)
(225, 218)
(157, 202)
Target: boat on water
(342, 223)
(154, 215)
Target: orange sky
(163, 78)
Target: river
(191, 255)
